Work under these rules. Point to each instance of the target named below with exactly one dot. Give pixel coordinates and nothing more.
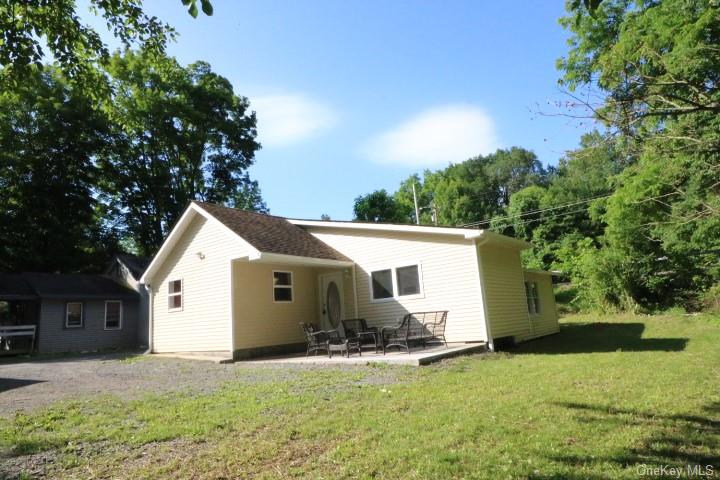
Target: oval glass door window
(333, 304)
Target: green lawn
(601, 399)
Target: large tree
(379, 206)
(656, 68)
(182, 134)
(49, 137)
(30, 27)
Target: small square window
(73, 315)
(382, 284)
(282, 287)
(408, 280)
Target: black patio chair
(357, 328)
(328, 340)
(434, 326)
(409, 330)
(316, 339)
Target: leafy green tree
(379, 206)
(405, 201)
(28, 27)
(181, 134)
(479, 188)
(656, 66)
(49, 218)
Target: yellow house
(236, 281)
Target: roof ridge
(239, 209)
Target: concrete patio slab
(416, 357)
(215, 357)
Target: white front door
(331, 301)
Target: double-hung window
(73, 315)
(175, 295)
(382, 284)
(533, 298)
(113, 315)
(396, 282)
(282, 287)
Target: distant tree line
(632, 216)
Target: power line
(557, 207)
(541, 210)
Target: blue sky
(355, 96)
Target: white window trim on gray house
(67, 315)
(120, 315)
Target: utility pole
(434, 213)
(417, 210)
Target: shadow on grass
(600, 337)
(678, 440)
(11, 383)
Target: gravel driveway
(31, 383)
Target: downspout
(355, 295)
(478, 263)
(148, 288)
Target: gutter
(479, 242)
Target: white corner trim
(481, 279)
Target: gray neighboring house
(71, 312)
(127, 270)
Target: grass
(601, 399)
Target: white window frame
(181, 294)
(393, 274)
(532, 287)
(67, 314)
(291, 286)
(120, 322)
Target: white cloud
(290, 118)
(450, 133)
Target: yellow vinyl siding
(504, 292)
(204, 323)
(259, 321)
(449, 277)
(547, 321)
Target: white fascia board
(468, 233)
(177, 232)
(167, 245)
(297, 260)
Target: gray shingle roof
(271, 234)
(14, 287)
(57, 285)
(136, 265)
